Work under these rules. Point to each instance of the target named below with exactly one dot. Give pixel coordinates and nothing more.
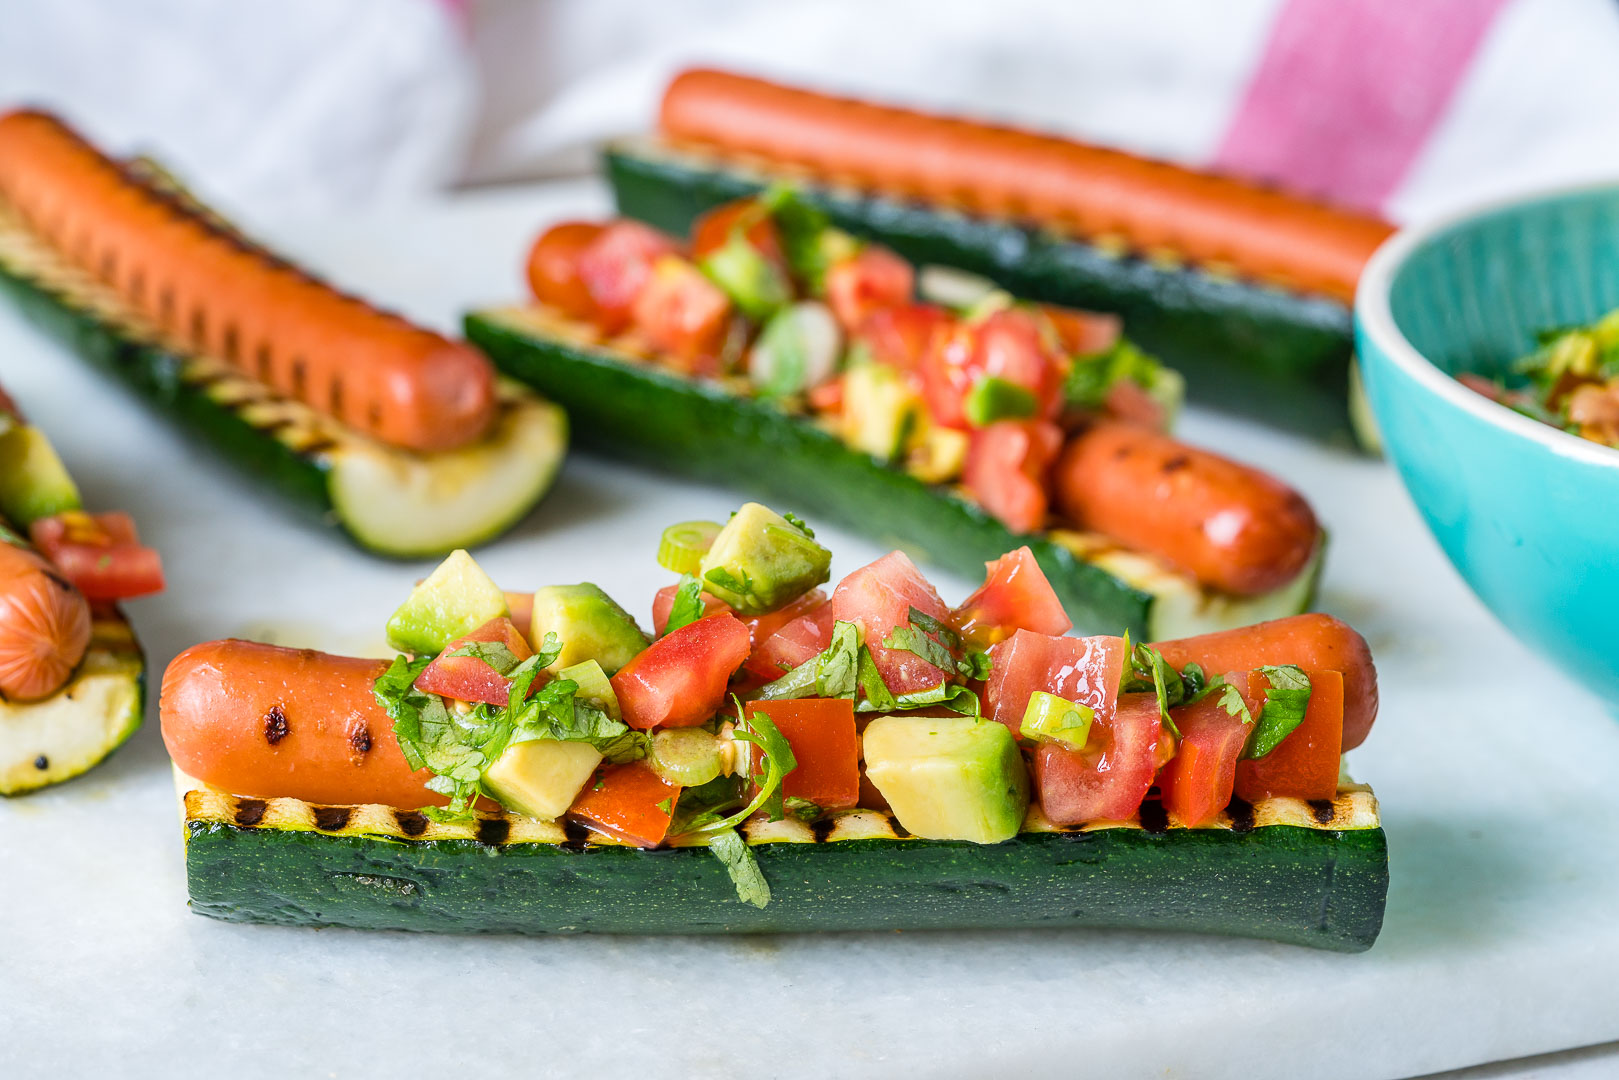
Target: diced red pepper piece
(821, 732)
(630, 802)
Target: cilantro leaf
(457, 748)
(494, 653)
(734, 852)
(1091, 376)
(829, 674)
(914, 640)
(952, 696)
(1146, 669)
(688, 605)
(759, 731)
(802, 809)
(878, 698)
(1286, 700)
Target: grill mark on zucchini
(1241, 813)
(332, 818)
(493, 831)
(249, 812)
(411, 822)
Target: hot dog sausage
(44, 626)
(209, 290)
(1309, 641)
(1228, 525)
(267, 721)
(1013, 173)
(553, 267)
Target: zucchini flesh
(388, 500)
(625, 407)
(57, 738)
(1279, 356)
(1307, 874)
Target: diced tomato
(1126, 400)
(553, 267)
(878, 597)
(1197, 783)
(1305, 764)
(870, 280)
(617, 264)
(1015, 595)
(467, 678)
(1080, 333)
(821, 732)
(99, 553)
(680, 679)
(788, 636)
(630, 802)
(713, 230)
(1008, 345)
(664, 601)
(1084, 670)
(684, 315)
(1006, 469)
(901, 335)
(1107, 780)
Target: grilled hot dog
(1007, 172)
(1228, 525)
(44, 626)
(266, 721)
(207, 289)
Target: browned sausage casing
(269, 722)
(44, 626)
(1228, 525)
(1312, 640)
(1012, 173)
(376, 372)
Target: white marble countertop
(1495, 775)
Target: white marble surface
(1495, 774)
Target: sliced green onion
(682, 546)
(689, 757)
(1049, 718)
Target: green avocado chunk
(760, 561)
(33, 481)
(455, 600)
(949, 778)
(589, 624)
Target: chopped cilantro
(733, 851)
(1286, 700)
(688, 604)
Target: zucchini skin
(1264, 352)
(1318, 888)
(668, 422)
(157, 374)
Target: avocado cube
(541, 778)
(880, 410)
(455, 600)
(589, 625)
(948, 778)
(760, 561)
(33, 481)
(594, 689)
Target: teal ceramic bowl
(1528, 514)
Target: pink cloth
(1347, 94)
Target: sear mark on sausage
(275, 725)
(1176, 464)
(360, 741)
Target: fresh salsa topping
(765, 696)
(1571, 381)
(772, 298)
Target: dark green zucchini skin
(676, 424)
(1311, 887)
(157, 374)
(1277, 356)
